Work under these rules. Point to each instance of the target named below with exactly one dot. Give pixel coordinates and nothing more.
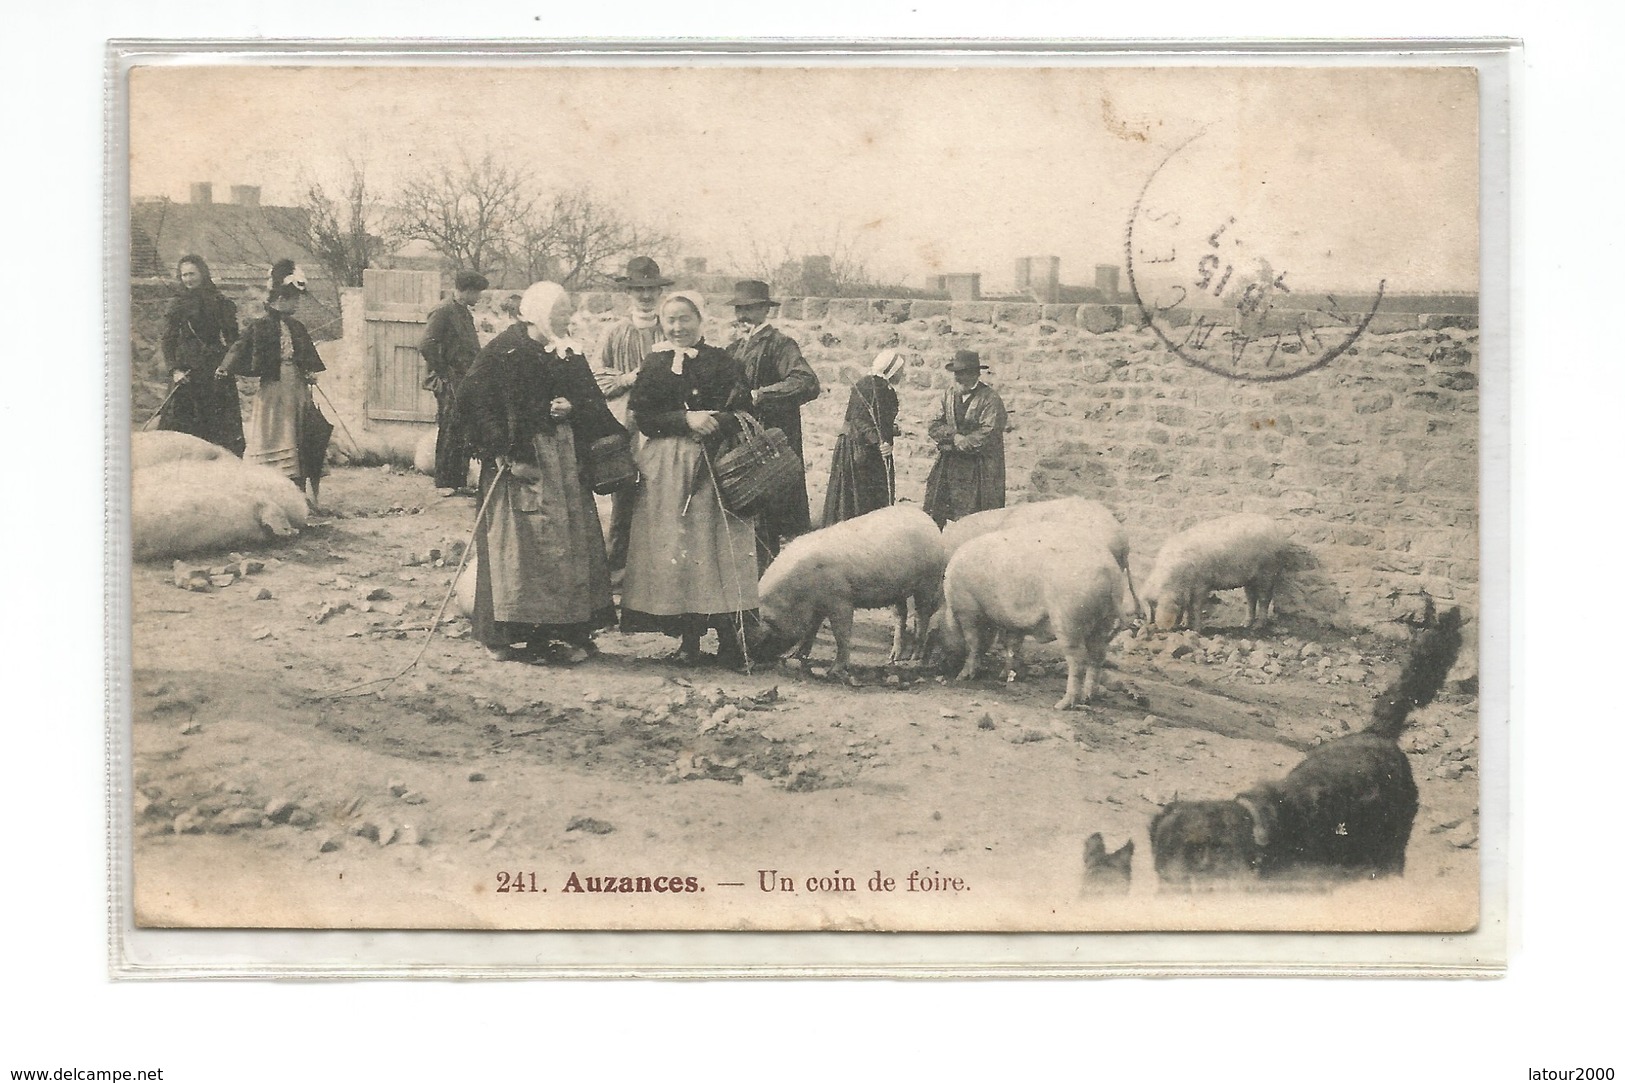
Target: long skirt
(860, 481)
(690, 564)
(278, 420)
(542, 571)
(206, 406)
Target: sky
(1343, 177)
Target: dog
(1346, 810)
(1103, 873)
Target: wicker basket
(610, 464)
(755, 469)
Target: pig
(1345, 811)
(161, 446)
(423, 454)
(1249, 551)
(463, 595)
(1087, 515)
(1047, 581)
(883, 558)
(191, 505)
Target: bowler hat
(751, 292)
(965, 361)
(642, 271)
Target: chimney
(966, 286)
(1024, 273)
(245, 195)
(202, 192)
(1044, 279)
(1106, 280)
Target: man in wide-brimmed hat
(624, 349)
(781, 381)
(968, 475)
(628, 342)
(449, 345)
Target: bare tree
(830, 265)
(534, 253)
(575, 238)
(469, 213)
(346, 234)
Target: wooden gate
(397, 308)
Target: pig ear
(1261, 829)
(1094, 848)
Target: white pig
(879, 559)
(1044, 581)
(1089, 516)
(193, 505)
(1249, 551)
(162, 446)
(463, 595)
(423, 454)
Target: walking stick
(468, 547)
(355, 448)
(887, 463)
(160, 411)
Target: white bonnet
(536, 306)
(888, 365)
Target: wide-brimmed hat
(642, 271)
(751, 292)
(965, 361)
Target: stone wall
(1372, 461)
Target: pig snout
(766, 639)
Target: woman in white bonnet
(861, 476)
(530, 409)
(690, 564)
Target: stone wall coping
(1018, 313)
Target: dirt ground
(265, 795)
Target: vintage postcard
(530, 458)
